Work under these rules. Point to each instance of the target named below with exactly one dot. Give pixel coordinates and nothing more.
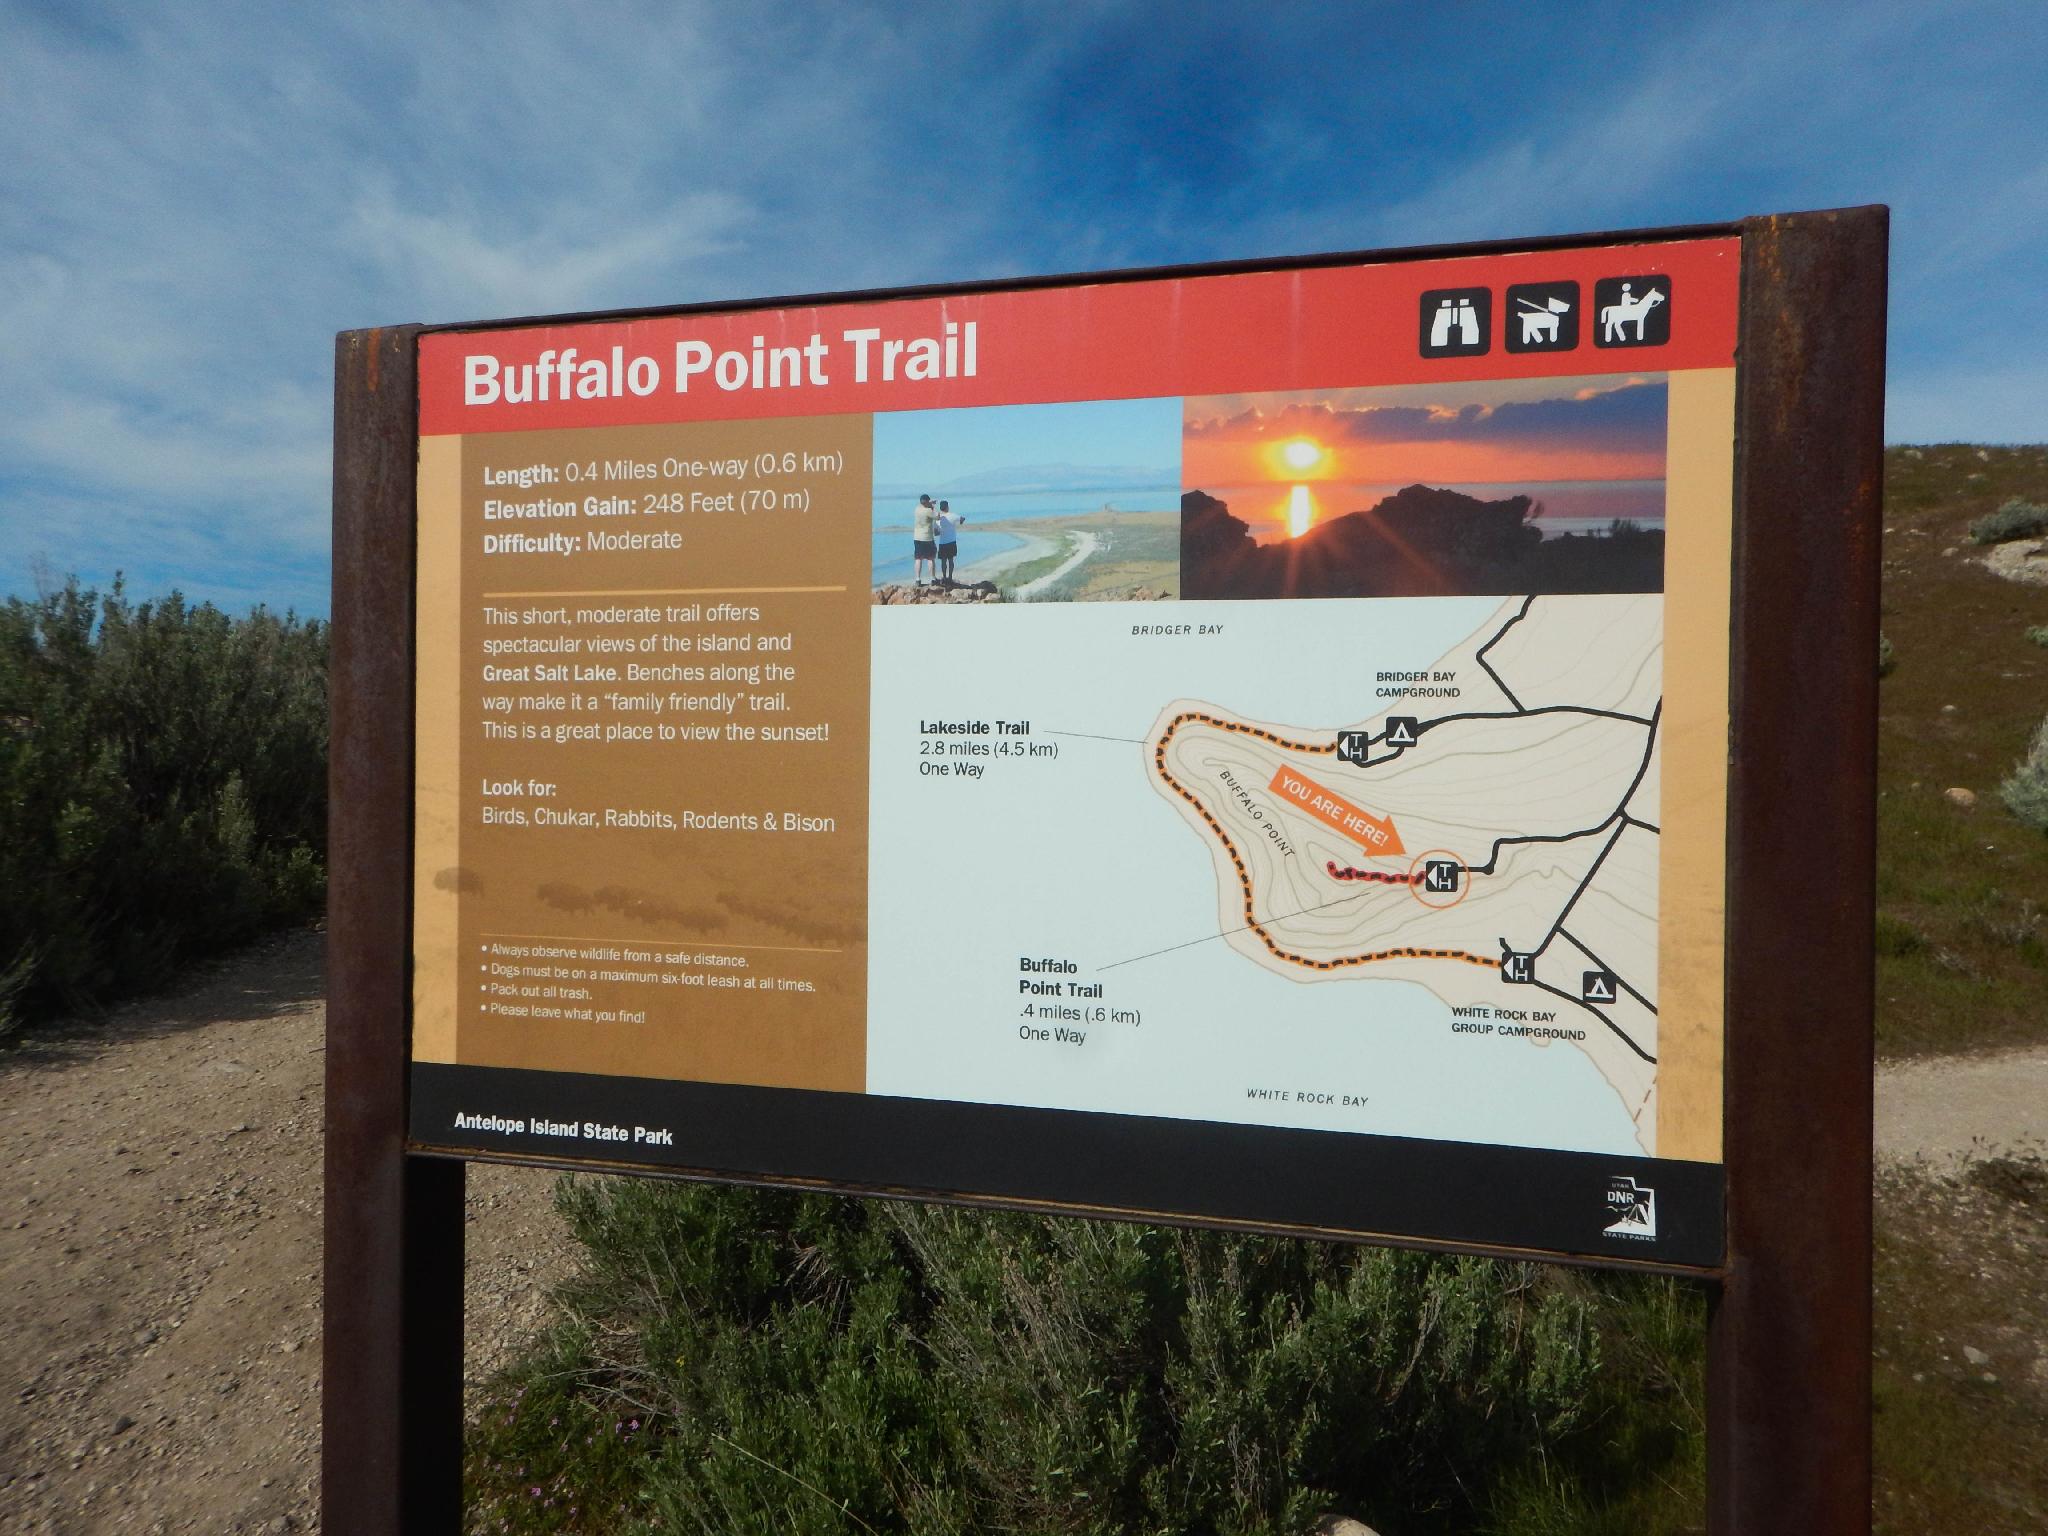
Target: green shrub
(1897, 937)
(2025, 790)
(747, 1363)
(162, 788)
(2038, 634)
(2015, 520)
(1886, 657)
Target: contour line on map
(1538, 790)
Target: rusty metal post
(1788, 1419)
(391, 1357)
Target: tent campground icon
(1597, 987)
(1402, 731)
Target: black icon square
(1457, 322)
(1541, 317)
(1632, 311)
(1402, 731)
(1518, 968)
(1440, 875)
(1352, 747)
(1597, 987)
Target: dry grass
(1962, 1350)
(1962, 942)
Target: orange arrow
(1375, 834)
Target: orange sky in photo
(1510, 433)
(1244, 459)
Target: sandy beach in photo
(1077, 554)
(992, 567)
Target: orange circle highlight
(1415, 879)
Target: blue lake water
(891, 555)
(1569, 507)
(893, 562)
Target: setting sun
(1301, 512)
(1302, 453)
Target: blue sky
(1094, 445)
(194, 198)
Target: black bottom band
(1583, 1205)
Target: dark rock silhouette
(1419, 542)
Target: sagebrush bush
(1887, 658)
(748, 1363)
(163, 772)
(2025, 790)
(2037, 634)
(2017, 519)
(1896, 936)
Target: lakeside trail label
(1219, 744)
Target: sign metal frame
(1789, 1334)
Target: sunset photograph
(1481, 487)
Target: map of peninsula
(1489, 833)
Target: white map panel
(1156, 883)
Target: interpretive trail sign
(1308, 746)
(730, 858)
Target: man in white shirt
(946, 528)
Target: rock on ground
(160, 1260)
(898, 594)
(2019, 560)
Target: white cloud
(453, 268)
(194, 198)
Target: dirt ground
(160, 1247)
(160, 1260)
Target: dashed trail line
(1244, 879)
(1372, 876)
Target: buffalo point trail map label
(906, 742)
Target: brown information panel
(1247, 747)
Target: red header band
(1405, 322)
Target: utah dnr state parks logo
(1633, 1208)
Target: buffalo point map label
(1244, 745)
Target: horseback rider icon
(1629, 310)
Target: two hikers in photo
(935, 537)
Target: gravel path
(160, 1260)
(1963, 1107)
(160, 1248)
